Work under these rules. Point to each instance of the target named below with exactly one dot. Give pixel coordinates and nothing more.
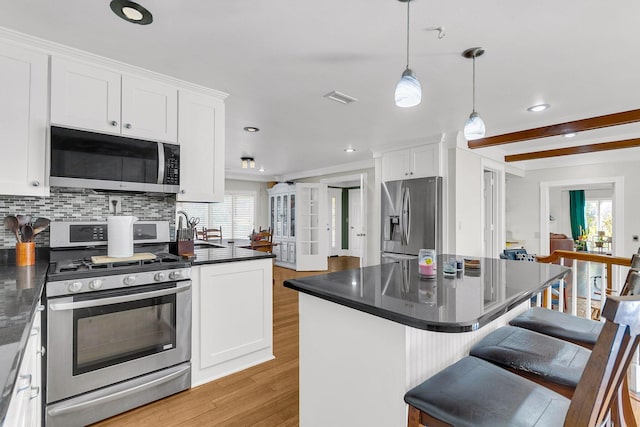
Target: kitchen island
(368, 335)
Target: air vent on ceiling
(340, 97)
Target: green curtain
(576, 212)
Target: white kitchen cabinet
(201, 137)
(282, 220)
(104, 100)
(416, 162)
(26, 399)
(232, 314)
(23, 121)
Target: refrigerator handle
(408, 215)
(403, 231)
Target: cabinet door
(235, 310)
(395, 165)
(425, 161)
(292, 252)
(201, 138)
(84, 96)
(23, 121)
(149, 109)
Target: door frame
(362, 178)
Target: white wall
(262, 199)
(523, 199)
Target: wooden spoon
(27, 233)
(40, 225)
(23, 219)
(11, 222)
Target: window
(236, 214)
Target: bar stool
(549, 361)
(474, 392)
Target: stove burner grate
(86, 264)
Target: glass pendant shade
(474, 127)
(408, 90)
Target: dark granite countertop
(20, 290)
(226, 251)
(462, 302)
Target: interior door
(311, 235)
(355, 222)
(334, 221)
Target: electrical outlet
(115, 205)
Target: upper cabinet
(23, 121)
(416, 162)
(95, 98)
(201, 137)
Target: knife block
(182, 248)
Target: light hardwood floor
(265, 395)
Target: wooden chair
(210, 233)
(262, 240)
(473, 392)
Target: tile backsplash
(70, 204)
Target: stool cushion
(475, 393)
(559, 325)
(549, 358)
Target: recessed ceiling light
(349, 150)
(569, 134)
(251, 129)
(131, 12)
(538, 107)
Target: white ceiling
(278, 58)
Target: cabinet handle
(410, 173)
(35, 183)
(27, 377)
(406, 174)
(114, 123)
(35, 331)
(183, 191)
(128, 125)
(37, 390)
(42, 351)
(40, 308)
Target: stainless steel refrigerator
(411, 217)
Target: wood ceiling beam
(592, 123)
(581, 149)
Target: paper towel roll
(120, 236)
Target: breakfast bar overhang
(368, 335)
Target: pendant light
(474, 127)
(408, 90)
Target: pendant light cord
(408, 2)
(474, 82)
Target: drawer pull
(26, 377)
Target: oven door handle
(117, 300)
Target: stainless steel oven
(118, 335)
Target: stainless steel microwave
(84, 159)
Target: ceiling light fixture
(251, 129)
(474, 128)
(408, 90)
(248, 162)
(569, 134)
(349, 149)
(538, 107)
(131, 12)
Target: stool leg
(413, 420)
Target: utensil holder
(25, 254)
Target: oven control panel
(94, 284)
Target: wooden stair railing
(608, 260)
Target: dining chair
(474, 392)
(210, 233)
(262, 240)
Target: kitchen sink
(204, 244)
